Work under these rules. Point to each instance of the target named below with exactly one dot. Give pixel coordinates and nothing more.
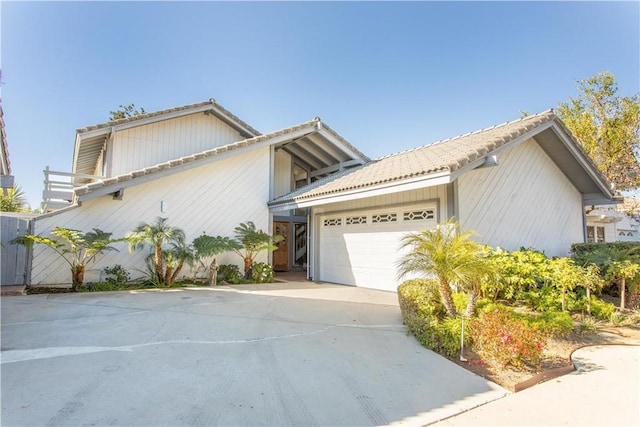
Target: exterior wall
(407, 197)
(144, 146)
(213, 198)
(282, 173)
(525, 201)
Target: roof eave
(424, 181)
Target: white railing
(59, 188)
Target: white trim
(431, 180)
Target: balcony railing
(59, 188)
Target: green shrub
(103, 287)
(550, 323)
(116, 275)
(230, 273)
(424, 315)
(460, 301)
(261, 273)
(500, 337)
(601, 309)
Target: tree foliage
(449, 256)
(157, 235)
(14, 200)
(607, 126)
(125, 112)
(251, 241)
(77, 248)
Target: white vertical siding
(213, 198)
(282, 173)
(438, 193)
(143, 146)
(525, 201)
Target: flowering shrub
(261, 273)
(500, 337)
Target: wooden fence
(15, 260)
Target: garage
(361, 248)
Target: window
(356, 220)
(595, 234)
(330, 222)
(379, 218)
(418, 215)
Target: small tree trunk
(158, 259)
(564, 299)
(174, 276)
(247, 266)
(623, 292)
(589, 301)
(472, 299)
(77, 277)
(447, 299)
(167, 276)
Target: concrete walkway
(603, 391)
(281, 354)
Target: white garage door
(362, 248)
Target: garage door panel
(366, 254)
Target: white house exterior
(522, 183)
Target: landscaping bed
(556, 359)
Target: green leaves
(608, 128)
(77, 248)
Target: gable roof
(90, 140)
(443, 161)
(299, 137)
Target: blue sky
(387, 76)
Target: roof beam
(329, 147)
(297, 151)
(336, 168)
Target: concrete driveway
(282, 354)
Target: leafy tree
(156, 235)
(207, 247)
(607, 126)
(446, 254)
(179, 254)
(75, 247)
(250, 242)
(13, 201)
(125, 112)
(622, 267)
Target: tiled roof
(211, 101)
(443, 156)
(85, 189)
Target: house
(614, 223)
(521, 183)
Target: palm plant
(175, 258)
(451, 256)
(251, 242)
(75, 247)
(14, 201)
(155, 235)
